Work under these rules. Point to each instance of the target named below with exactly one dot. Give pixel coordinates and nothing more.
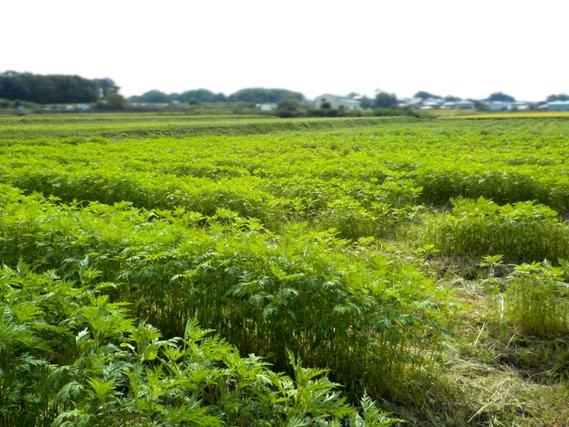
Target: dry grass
(491, 385)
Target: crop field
(239, 270)
(509, 115)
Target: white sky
(465, 48)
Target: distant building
(266, 107)
(82, 107)
(75, 107)
(337, 102)
(464, 105)
(409, 102)
(415, 102)
(557, 106)
(499, 106)
(521, 106)
(432, 103)
(448, 105)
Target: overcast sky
(464, 48)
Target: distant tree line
(251, 96)
(53, 89)
(500, 97)
(64, 89)
(190, 96)
(558, 97)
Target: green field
(509, 115)
(180, 270)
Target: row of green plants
(500, 164)
(441, 185)
(378, 324)
(353, 210)
(521, 232)
(71, 357)
(180, 126)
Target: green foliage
(395, 111)
(200, 95)
(68, 356)
(111, 102)
(288, 108)
(264, 95)
(384, 100)
(52, 89)
(152, 96)
(558, 97)
(523, 231)
(351, 220)
(536, 300)
(500, 97)
(425, 95)
(286, 236)
(370, 321)
(443, 183)
(189, 96)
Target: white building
(464, 105)
(448, 105)
(499, 106)
(337, 102)
(410, 102)
(557, 106)
(432, 103)
(266, 107)
(521, 106)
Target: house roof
(341, 98)
(558, 103)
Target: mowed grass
(386, 253)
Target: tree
(264, 95)
(112, 102)
(153, 97)
(479, 105)
(366, 102)
(196, 95)
(220, 97)
(500, 97)
(425, 95)
(106, 86)
(385, 100)
(558, 97)
(288, 108)
(54, 88)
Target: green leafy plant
(537, 300)
(68, 356)
(523, 231)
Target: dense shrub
(523, 231)
(440, 185)
(193, 194)
(68, 357)
(371, 321)
(536, 300)
(351, 220)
